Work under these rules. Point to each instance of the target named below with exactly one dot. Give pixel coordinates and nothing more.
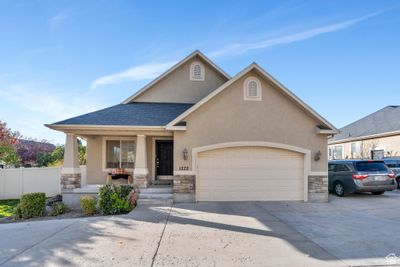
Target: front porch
(148, 159)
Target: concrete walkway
(218, 234)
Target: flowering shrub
(115, 199)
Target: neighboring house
(374, 136)
(216, 138)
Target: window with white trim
(252, 89)
(197, 71)
(120, 154)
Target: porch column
(140, 172)
(71, 172)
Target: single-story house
(374, 136)
(214, 137)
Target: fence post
(22, 180)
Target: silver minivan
(351, 176)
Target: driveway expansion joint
(161, 237)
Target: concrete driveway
(357, 230)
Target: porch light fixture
(185, 154)
(317, 155)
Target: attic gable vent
(252, 89)
(197, 71)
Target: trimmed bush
(31, 205)
(114, 199)
(88, 205)
(58, 208)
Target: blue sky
(59, 59)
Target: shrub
(31, 205)
(88, 205)
(114, 199)
(58, 208)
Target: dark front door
(164, 158)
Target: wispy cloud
(152, 70)
(137, 73)
(240, 48)
(50, 104)
(57, 20)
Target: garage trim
(306, 153)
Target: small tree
(8, 139)
(44, 159)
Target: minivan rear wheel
(398, 183)
(339, 189)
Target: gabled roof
(133, 114)
(329, 128)
(176, 66)
(383, 121)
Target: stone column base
(318, 189)
(140, 180)
(184, 184)
(70, 181)
(184, 188)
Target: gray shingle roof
(133, 114)
(382, 121)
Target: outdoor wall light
(317, 155)
(185, 154)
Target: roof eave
(365, 137)
(63, 127)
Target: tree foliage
(8, 140)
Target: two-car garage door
(249, 174)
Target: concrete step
(155, 195)
(156, 190)
(162, 182)
(155, 201)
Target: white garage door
(250, 174)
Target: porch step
(156, 190)
(162, 182)
(156, 195)
(158, 201)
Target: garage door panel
(250, 174)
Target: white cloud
(137, 73)
(240, 48)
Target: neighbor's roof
(383, 121)
(133, 114)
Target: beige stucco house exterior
(214, 137)
(374, 136)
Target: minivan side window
(331, 167)
(342, 168)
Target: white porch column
(71, 172)
(141, 171)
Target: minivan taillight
(391, 175)
(360, 176)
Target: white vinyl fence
(15, 182)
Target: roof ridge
(175, 103)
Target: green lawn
(7, 206)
